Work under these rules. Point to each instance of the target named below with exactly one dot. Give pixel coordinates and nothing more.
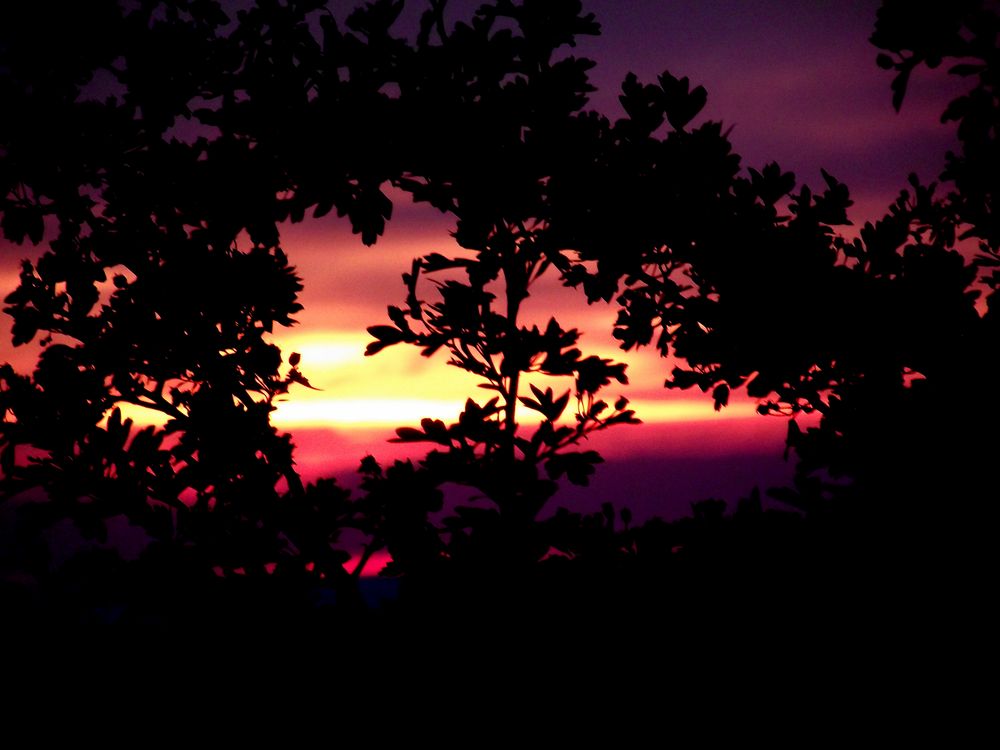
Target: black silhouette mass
(153, 155)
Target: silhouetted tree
(495, 135)
(750, 284)
(161, 146)
(166, 273)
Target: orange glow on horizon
(363, 413)
(360, 412)
(399, 412)
(398, 387)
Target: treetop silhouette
(161, 149)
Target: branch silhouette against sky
(164, 152)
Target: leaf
(682, 104)
(596, 409)
(967, 69)
(558, 407)
(408, 435)
(297, 377)
(956, 109)
(578, 467)
(625, 417)
(323, 208)
(398, 317)
(531, 404)
(386, 335)
(438, 262)
(435, 431)
(898, 87)
(720, 394)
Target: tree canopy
(159, 147)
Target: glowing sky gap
(392, 412)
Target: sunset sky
(798, 83)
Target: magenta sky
(798, 82)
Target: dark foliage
(159, 147)
(161, 166)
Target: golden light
(362, 411)
(398, 387)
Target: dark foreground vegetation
(159, 149)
